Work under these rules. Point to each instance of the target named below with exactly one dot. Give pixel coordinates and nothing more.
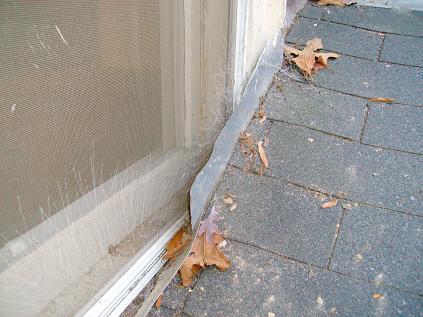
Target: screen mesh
(81, 100)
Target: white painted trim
(119, 295)
(240, 34)
(172, 61)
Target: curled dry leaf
(357, 258)
(205, 250)
(322, 58)
(175, 245)
(191, 267)
(289, 50)
(329, 204)
(305, 62)
(262, 119)
(228, 199)
(339, 3)
(262, 155)
(261, 113)
(308, 60)
(388, 100)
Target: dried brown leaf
(322, 58)
(308, 60)
(306, 63)
(261, 113)
(289, 50)
(377, 296)
(175, 245)
(191, 266)
(379, 99)
(318, 66)
(205, 250)
(228, 200)
(339, 3)
(203, 253)
(262, 119)
(213, 256)
(262, 155)
(329, 204)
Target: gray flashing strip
(207, 180)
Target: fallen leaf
(261, 113)
(191, 266)
(289, 50)
(158, 302)
(357, 258)
(262, 119)
(175, 245)
(322, 58)
(329, 204)
(213, 256)
(305, 62)
(262, 154)
(377, 296)
(205, 250)
(339, 3)
(378, 99)
(308, 60)
(228, 199)
(176, 240)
